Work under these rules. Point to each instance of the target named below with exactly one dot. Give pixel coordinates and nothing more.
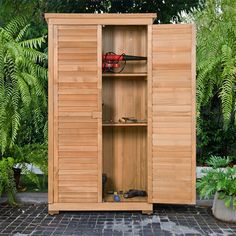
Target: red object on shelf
(111, 61)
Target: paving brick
(166, 220)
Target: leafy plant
(217, 161)
(31, 154)
(216, 55)
(221, 180)
(22, 79)
(7, 182)
(212, 139)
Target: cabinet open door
(74, 114)
(173, 114)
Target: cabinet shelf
(124, 74)
(124, 124)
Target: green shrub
(35, 154)
(7, 181)
(22, 79)
(221, 180)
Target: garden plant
(22, 91)
(220, 180)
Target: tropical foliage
(22, 79)
(212, 139)
(166, 10)
(7, 182)
(216, 55)
(221, 180)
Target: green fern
(22, 79)
(216, 54)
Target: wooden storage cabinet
(85, 138)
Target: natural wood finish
(124, 145)
(131, 40)
(103, 206)
(125, 158)
(149, 114)
(86, 139)
(173, 178)
(136, 75)
(124, 98)
(101, 19)
(77, 118)
(98, 115)
(50, 114)
(147, 212)
(193, 117)
(55, 108)
(124, 124)
(52, 213)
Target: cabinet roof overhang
(101, 19)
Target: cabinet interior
(125, 95)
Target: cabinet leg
(150, 212)
(53, 213)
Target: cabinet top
(104, 19)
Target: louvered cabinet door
(173, 111)
(76, 114)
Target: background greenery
(216, 59)
(216, 76)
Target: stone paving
(166, 220)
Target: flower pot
(221, 212)
(17, 174)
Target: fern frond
(22, 32)
(216, 54)
(15, 25)
(24, 90)
(33, 43)
(22, 80)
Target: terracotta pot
(221, 212)
(17, 174)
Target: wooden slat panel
(75, 32)
(66, 154)
(78, 119)
(77, 166)
(77, 97)
(76, 101)
(64, 103)
(76, 38)
(74, 173)
(173, 114)
(69, 44)
(78, 160)
(84, 183)
(77, 131)
(78, 91)
(77, 177)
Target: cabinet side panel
(149, 113)
(50, 113)
(99, 118)
(78, 115)
(173, 109)
(55, 113)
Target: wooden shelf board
(124, 124)
(109, 198)
(124, 74)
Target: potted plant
(220, 182)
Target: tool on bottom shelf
(128, 120)
(116, 197)
(104, 180)
(135, 193)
